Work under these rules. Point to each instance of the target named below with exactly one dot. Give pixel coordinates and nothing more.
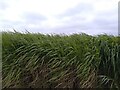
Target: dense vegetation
(60, 61)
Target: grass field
(60, 61)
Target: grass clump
(60, 61)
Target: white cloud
(54, 15)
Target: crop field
(60, 61)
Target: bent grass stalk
(53, 61)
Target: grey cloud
(79, 9)
(3, 5)
(103, 22)
(26, 19)
(11, 24)
(107, 20)
(30, 17)
(18, 25)
(87, 28)
(72, 28)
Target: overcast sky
(60, 16)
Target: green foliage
(60, 61)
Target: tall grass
(60, 61)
